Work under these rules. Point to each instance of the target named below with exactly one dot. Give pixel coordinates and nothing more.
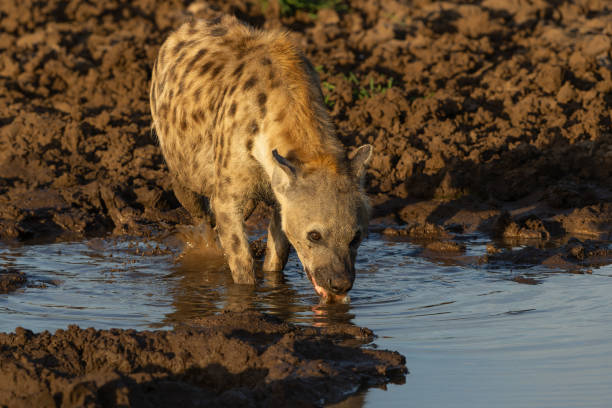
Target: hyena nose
(340, 287)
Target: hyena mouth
(320, 291)
(326, 296)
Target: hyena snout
(336, 278)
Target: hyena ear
(286, 166)
(360, 160)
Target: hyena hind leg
(277, 247)
(197, 205)
(229, 215)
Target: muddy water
(471, 335)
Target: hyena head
(325, 217)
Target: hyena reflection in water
(240, 119)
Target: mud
(473, 110)
(577, 256)
(234, 359)
(11, 280)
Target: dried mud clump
(11, 280)
(234, 359)
(446, 246)
(574, 256)
(530, 228)
(419, 231)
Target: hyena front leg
(229, 216)
(277, 248)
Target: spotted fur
(240, 118)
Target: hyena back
(240, 119)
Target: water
(472, 337)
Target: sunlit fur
(224, 96)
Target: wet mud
(574, 256)
(473, 110)
(492, 117)
(11, 280)
(234, 359)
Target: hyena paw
(273, 263)
(243, 273)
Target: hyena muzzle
(240, 119)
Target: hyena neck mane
(302, 132)
(304, 153)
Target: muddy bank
(234, 359)
(575, 256)
(511, 246)
(11, 280)
(472, 110)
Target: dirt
(472, 109)
(493, 117)
(11, 280)
(234, 359)
(577, 256)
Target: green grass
(368, 91)
(359, 92)
(427, 96)
(374, 89)
(328, 86)
(327, 99)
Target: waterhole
(473, 334)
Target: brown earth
(11, 280)
(234, 359)
(472, 109)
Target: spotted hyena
(240, 119)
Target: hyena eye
(314, 236)
(356, 239)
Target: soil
(493, 117)
(574, 256)
(473, 110)
(234, 359)
(11, 280)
